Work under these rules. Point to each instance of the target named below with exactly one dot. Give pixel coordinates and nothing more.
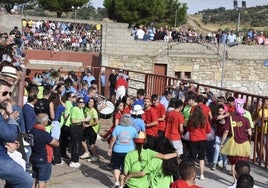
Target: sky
(197, 5)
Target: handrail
(157, 84)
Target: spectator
(241, 168)
(261, 40)
(161, 114)
(121, 143)
(245, 181)
(127, 104)
(187, 173)
(147, 163)
(140, 98)
(174, 126)
(198, 128)
(138, 122)
(151, 122)
(42, 151)
(165, 98)
(89, 77)
(77, 120)
(10, 171)
(121, 87)
(103, 82)
(219, 123)
(66, 123)
(140, 33)
(112, 80)
(29, 116)
(90, 131)
(238, 146)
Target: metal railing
(157, 84)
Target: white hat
(9, 71)
(137, 110)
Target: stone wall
(243, 68)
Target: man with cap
(239, 127)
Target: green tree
(146, 11)
(61, 6)
(9, 4)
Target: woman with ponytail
(144, 167)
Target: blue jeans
(14, 174)
(217, 151)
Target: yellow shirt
(265, 125)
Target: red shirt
(121, 82)
(126, 110)
(160, 111)
(204, 108)
(182, 184)
(149, 117)
(198, 134)
(117, 115)
(173, 121)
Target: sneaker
(213, 167)
(85, 155)
(110, 166)
(74, 165)
(116, 185)
(92, 159)
(202, 177)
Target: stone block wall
(243, 68)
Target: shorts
(42, 172)
(199, 148)
(178, 146)
(118, 160)
(90, 135)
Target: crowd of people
(154, 140)
(185, 34)
(57, 36)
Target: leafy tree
(146, 11)
(9, 4)
(61, 6)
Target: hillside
(213, 19)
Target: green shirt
(155, 174)
(77, 113)
(186, 114)
(93, 114)
(67, 112)
(248, 115)
(133, 165)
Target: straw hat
(9, 71)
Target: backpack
(42, 106)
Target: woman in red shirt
(127, 104)
(198, 127)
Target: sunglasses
(73, 96)
(80, 102)
(5, 93)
